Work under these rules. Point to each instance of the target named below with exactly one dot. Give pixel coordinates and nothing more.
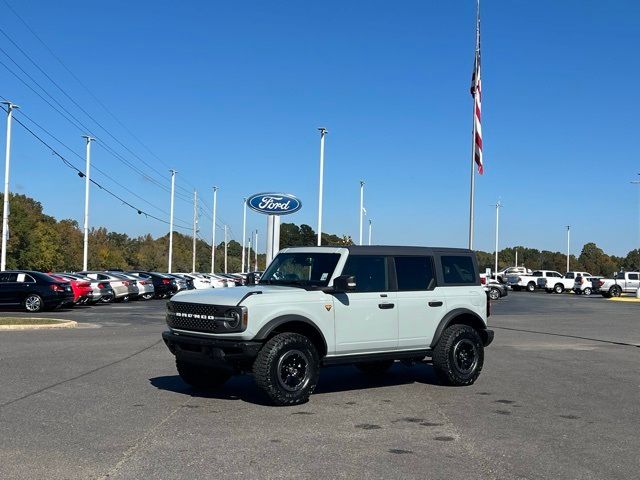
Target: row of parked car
(36, 291)
(581, 283)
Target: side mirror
(251, 279)
(344, 283)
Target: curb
(625, 299)
(45, 326)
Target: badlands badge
(328, 307)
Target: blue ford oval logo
(274, 203)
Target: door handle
(435, 304)
(385, 306)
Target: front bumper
(212, 352)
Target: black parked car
(35, 291)
(163, 285)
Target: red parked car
(82, 290)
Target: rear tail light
(483, 280)
(125, 283)
(56, 287)
(102, 285)
(84, 284)
(600, 283)
(166, 281)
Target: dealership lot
(558, 398)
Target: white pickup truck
(502, 275)
(559, 283)
(530, 282)
(622, 282)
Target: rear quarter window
(458, 270)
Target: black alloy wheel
(458, 356)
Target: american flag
(476, 93)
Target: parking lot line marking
(10, 402)
(625, 299)
(569, 336)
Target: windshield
(301, 268)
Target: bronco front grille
(199, 317)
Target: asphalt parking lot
(559, 397)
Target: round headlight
(232, 318)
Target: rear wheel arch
(294, 324)
(459, 316)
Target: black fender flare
(271, 325)
(474, 320)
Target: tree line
(40, 242)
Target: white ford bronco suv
(315, 306)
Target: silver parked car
(145, 286)
(120, 285)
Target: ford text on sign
(274, 203)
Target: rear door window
(415, 273)
(370, 272)
(8, 277)
(633, 276)
(458, 269)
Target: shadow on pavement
(332, 380)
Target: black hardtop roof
(404, 250)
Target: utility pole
(370, 222)
(498, 207)
(173, 189)
(225, 249)
(244, 229)
(87, 182)
(213, 233)
(5, 207)
(568, 244)
(256, 251)
(195, 228)
(323, 132)
(361, 209)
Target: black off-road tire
(447, 362)
(199, 377)
(375, 368)
(271, 369)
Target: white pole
(516, 257)
(249, 255)
(87, 183)
(256, 251)
(637, 182)
(173, 188)
(361, 209)
(213, 234)
(225, 249)
(195, 229)
(568, 244)
(323, 132)
(244, 229)
(269, 251)
(498, 205)
(473, 142)
(370, 231)
(5, 207)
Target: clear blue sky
(232, 93)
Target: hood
(230, 296)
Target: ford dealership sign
(274, 203)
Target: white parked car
(199, 281)
(586, 285)
(559, 283)
(316, 306)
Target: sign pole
(5, 209)
(323, 132)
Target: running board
(374, 357)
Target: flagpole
(473, 140)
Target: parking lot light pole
(225, 249)
(249, 255)
(213, 233)
(498, 206)
(5, 207)
(637, 182)
(323, 132)
(195, 229)
(256, 251)
(370, 222)
(173, 189)
(361, 209)
(87, 183)
(568, 244)
(244, 229)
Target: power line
(82, 84)
(82, 174)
